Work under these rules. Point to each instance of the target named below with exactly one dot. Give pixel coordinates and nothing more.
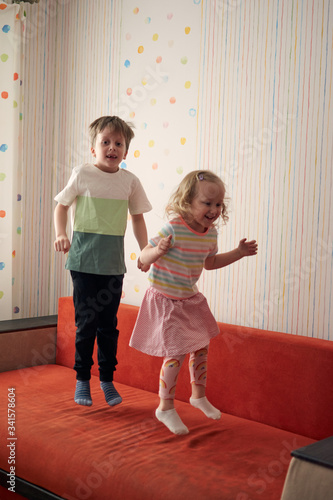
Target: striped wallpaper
(239, 87)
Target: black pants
(96, 302)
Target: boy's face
(109, 150)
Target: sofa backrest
(282, 380)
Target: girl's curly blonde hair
(180, 201)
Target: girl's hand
(163, 245)
(62, 244)
(247, 248)
(144, 267)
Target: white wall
(252, 84)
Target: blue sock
(112, 397)
(82, 393)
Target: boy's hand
(62, 244)
(144, 267)
(163, 245)
(247, 248)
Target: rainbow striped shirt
(175, 274)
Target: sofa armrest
(26, 348)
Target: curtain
(12, 29)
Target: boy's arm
(140, 230)
(61, 243)
(245, 248)
(140, 233)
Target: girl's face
(206, 206)
(109, 150)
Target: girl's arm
(61, 243)
(245, 248)
(151, 254)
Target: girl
(174, 318)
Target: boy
(100, 194)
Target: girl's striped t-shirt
(176, 273)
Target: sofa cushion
(99, 452)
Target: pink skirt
(167, 327)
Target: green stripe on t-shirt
(96, 254)
(101, 216)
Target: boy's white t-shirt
(100, 202)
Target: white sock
(205, 406)
(172, 421)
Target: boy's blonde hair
(180, 201)
(114, 123)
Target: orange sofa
(274, 389)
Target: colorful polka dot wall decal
(14, 104)
(153, 101)
(16, 310)
(4, 95)
(187, 84)
(129, 91)
(128, 36)
(179, 170)
(159, 59)
(1, 295)
(15, 77)
(137, 288)
(19, 197)
(172, 100)
(6, 28)
(151, 143)
(187, 30)
(184, 60)
(136, 153)
(154, 166)
(3, 148)
(132, 114)
(2, 176)
(182, 141)
(136, 10)
(133, 256)
(127, 63)
(170, 16)
(4, 57)
(192, 112)
(2, 266)
(140, 49)
(18, 230)
(155, 37)
(165, 124)
(3, 6)
(123, 165)
(148, 20)
(2, 214)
